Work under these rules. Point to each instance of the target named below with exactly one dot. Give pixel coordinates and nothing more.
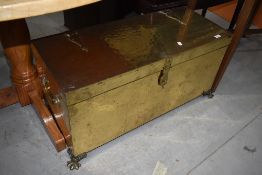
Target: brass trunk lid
(84, 61)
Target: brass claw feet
(74, 164)
(208, 93)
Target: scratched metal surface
(103, 51)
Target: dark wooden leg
(204, 12)
(242, 22)
(253, 14)
(16, 43)
(192, 4)
(236, 14)
(182, 33)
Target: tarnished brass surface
(126, 45)
(111, 114)
(92, 90)
(133, 71)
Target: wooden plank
(8, 97)
(48, 122)
(16, 9)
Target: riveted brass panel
(102, 118)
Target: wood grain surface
(48, 122)
(15, 40)
(16, 9)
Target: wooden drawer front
(111, 114)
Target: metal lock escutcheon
(163, 77)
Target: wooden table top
(15, 9)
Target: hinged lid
(94, 60)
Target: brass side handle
(55, 99)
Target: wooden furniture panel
(98, 13)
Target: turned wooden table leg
(16, 43)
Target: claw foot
(208, 93)
(74, 164)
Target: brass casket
(109, 79)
